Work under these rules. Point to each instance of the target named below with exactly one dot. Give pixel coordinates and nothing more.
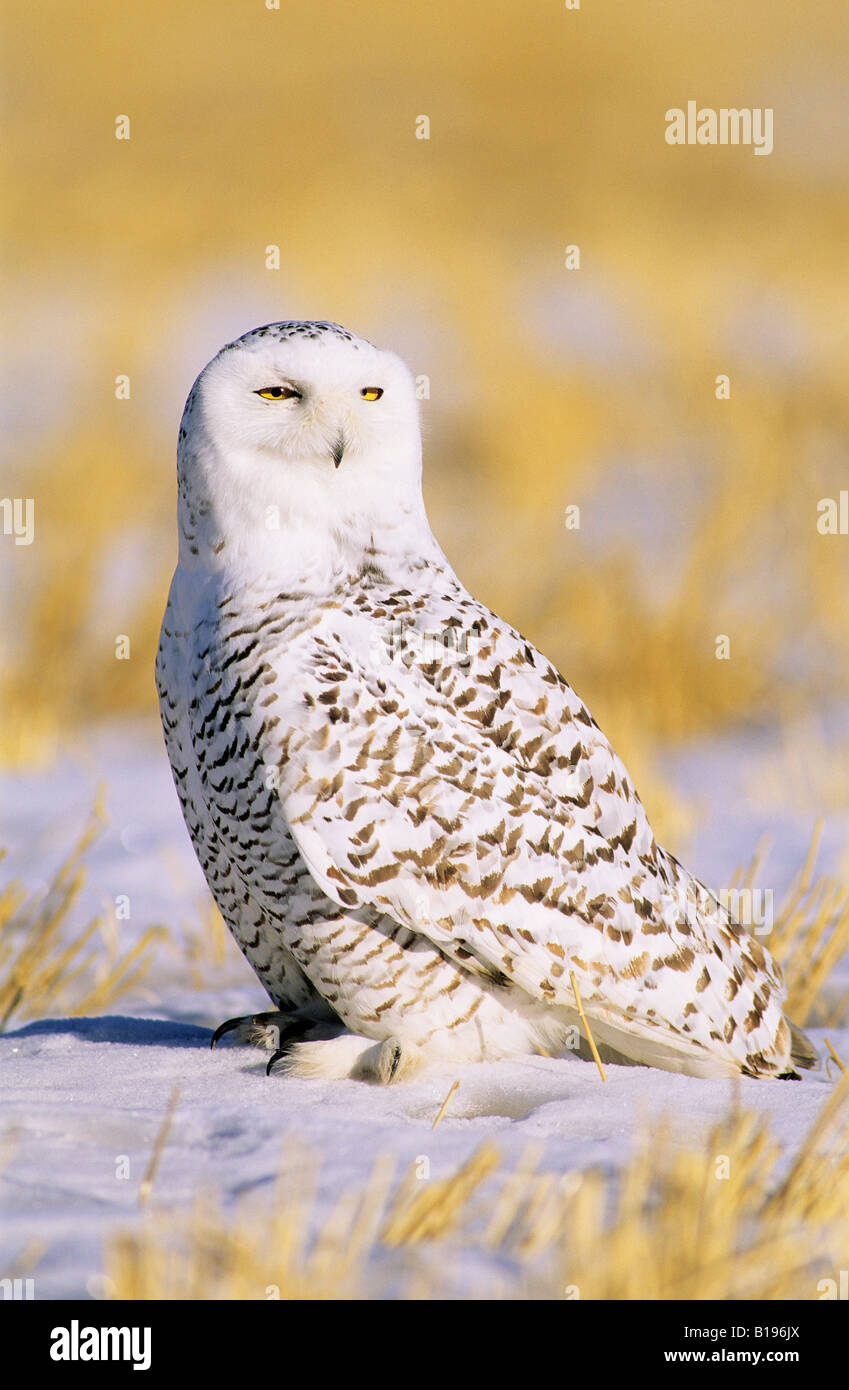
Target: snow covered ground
(82, 1099)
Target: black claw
(286, 1035)
(275, 1057)
(228, 1027)
(396, 1057)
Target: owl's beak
(338, 449)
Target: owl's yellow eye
(371, 393)
(278, 393)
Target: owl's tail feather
(632, 1041)
(640, 1045)
(802, 1050)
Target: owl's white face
(303, 430)
(323, 399)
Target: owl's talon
(391, 1059)
(286, 1037)
(228, 1027)
(275, 1057)
(269, 1029)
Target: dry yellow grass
(810, 936)
(716, 1222)
(42, 971)
(205, 949)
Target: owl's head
(297, 428)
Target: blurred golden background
(549, 387)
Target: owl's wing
(472, 797)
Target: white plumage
(409, 821)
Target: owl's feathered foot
(354, 1057)
(319, 1049)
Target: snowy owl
(412, 826)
